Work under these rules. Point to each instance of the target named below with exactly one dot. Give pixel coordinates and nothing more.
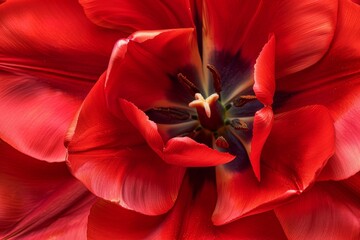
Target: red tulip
(218, 120)
(180, 130)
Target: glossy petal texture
(50, 56)
(302, 39)
(186, 152)
(130, 16)
(143, 68)
(330, 210)
(109, 155)
(264, 73)
(300, 143)
(34, 116)
(333, 82)
(39, 200)
(264, 88)
(66, 52)
(263, 122)
(189, 219)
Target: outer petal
(130, 16)
(56, 54)
(57, 42)
(34, 118)
(335, 83)
(300, 143)
(143, 68)
(189, 219)
(330, 210)
(115, 162)
(39, 200)
(302, 39)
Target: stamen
(201, 102)
(239, 125)
(166, 115)
(242, 100)
(216, 77)
(187, 83)
(221, 142)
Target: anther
(242, 100)
(187, 83)
(221, 142)
(239, 125)
(216, 77)
(166, 115)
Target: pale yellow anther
(200, 101)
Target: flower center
(210, 111)
(215, 122)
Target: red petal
(306, 36)
(330, 210)
(130, 16)
(57, 42)
(143, 68)
(300, 143)
(238, 14)
(181, 151)
(115, 162)
(334, 82)
(190, 218)
(345, 162)
(39, 200)
(264, 75)
(35, 117)
(302, 39)
(184, 151)
(263, 122)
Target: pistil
(210, 111)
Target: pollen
(201, 102)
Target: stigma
(209, 110)
(201, 102)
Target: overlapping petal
(130, 16)
(300, 143)
(35, 117)
(334, 82)
(143, 69)
(39, 199)
(264, 88)
(50, 56)
(330, 210)
(264, 73)
(182, 151)
(114, 161)
(122, 158)
(190, 218)
(57, 42)
(303, 38)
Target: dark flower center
(215, 118)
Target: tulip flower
(200, 132)
(213, 120)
